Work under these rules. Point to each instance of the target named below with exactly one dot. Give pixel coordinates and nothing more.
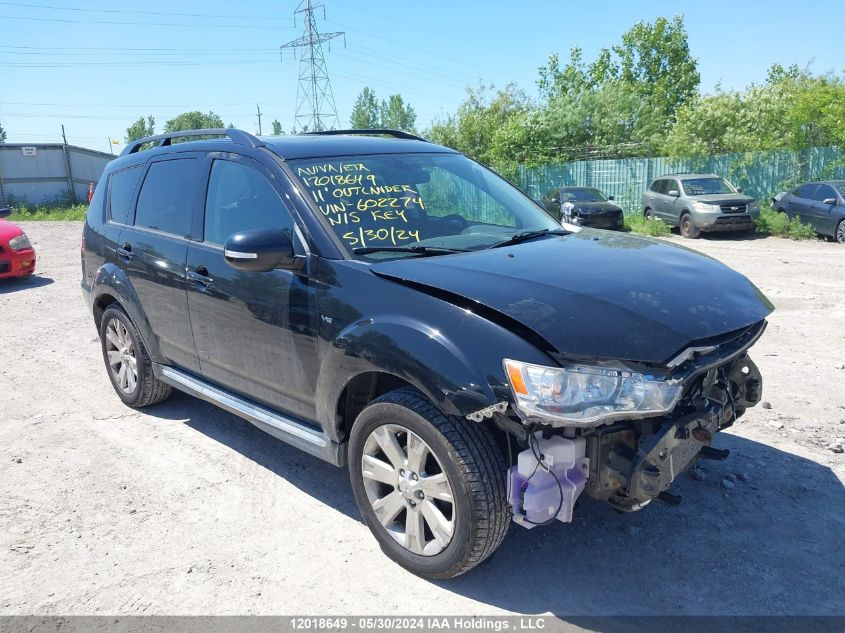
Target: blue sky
(96, 66)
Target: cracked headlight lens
(582, 395)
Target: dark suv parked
(383, 302)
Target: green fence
(760, 174)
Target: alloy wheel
(408, 489)
(840, 232)
(120, 352)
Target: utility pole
(315, 107)
(259, 119)
(71, 190)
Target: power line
(182, 25)
(124, 11)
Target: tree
(656, 59)
(277, 128)
(2, 135)
(492, 126)
(623, 100)
(193, 121)
(141, 128)
(395, 114)
(365, 112)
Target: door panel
(153, 248)
(799, 204)
(819, 214)
(155, 265)
(255, 333)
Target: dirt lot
(185, 509)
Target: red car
(17, 257)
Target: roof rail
(238, 136)
(372, 132)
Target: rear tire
(688, 228)
(127, 361)
(416, 525)
(649, 214)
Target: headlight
(20, 243)
(580, 395)
(753, 206)
(703, 206)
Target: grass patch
(773, 222)
(641, 225)
(55, 211)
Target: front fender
(111, 282)
(459, 369)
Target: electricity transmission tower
(315, 108)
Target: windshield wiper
(416, 250)
(529, 235)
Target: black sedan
(583, 206)
(819, 204)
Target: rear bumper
(17, 263)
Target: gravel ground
(185, 509)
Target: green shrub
(638, 223)
(773, 222)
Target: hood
(8, 230)
(593, 294)
(723, 198)
(599, 206)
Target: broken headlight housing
(585, 395)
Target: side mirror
(260, 250)
(826, 201)
(611, 198)
(674, 193)
(5, 212)
(739, 189)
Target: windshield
(581, 194)
(706, 186)
(410, 200)
(841, 189)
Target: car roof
(687, 176)
(298, 146)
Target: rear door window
(166, 199)
(121, 187)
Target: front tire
(688, 228)
(839, 233)
(128, 362)
(430, 487)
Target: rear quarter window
(167, 195)
(122, 186)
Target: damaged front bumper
(630, 463)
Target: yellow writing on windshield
(361, 209)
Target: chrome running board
(279, 426)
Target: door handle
(125, 251)
(200, 276)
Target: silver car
(700, 202)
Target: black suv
(383, 302)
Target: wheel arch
(110, 285)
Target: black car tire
(649, 214)
(475, 468)
(687, 227)
(148, 389)
(839, 233)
